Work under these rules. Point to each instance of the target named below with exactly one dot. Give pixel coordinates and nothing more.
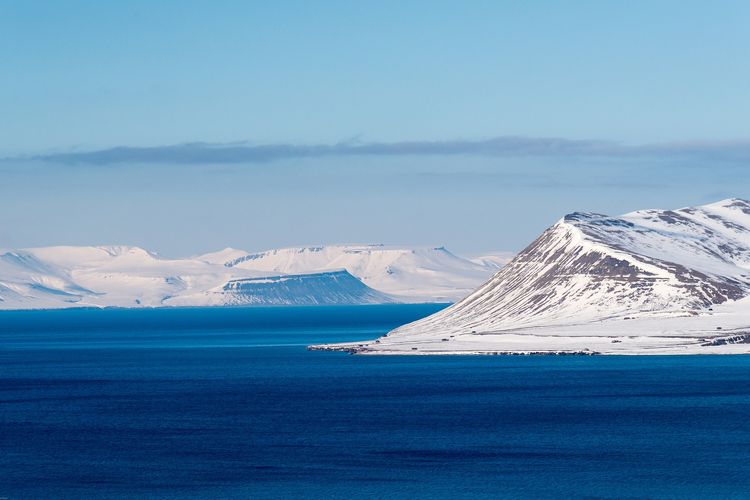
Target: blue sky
(649, 99)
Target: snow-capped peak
(572, 289)
(590, 266)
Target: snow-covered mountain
(323, 288)
(119, 276)
(648, 281)
(412, 275)
(495, 259)
(122, 276)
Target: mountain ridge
(128, 276)
(412, 274)
(588, 271)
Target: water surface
(227, 402)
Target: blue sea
(207, 403)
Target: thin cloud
(510, 146)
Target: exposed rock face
(121, 276)
(411, 274)
(330, 288)
(591, 267)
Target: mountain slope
(27, 280)
(324, 288)
(123, 276)
(668, 273)
(414, 275)
(495, 260)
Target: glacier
(647, 282)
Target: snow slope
(412, 275)
(27, 281)
(122, 276)
(119, 276)
(648, 281)
(324, 288)
(494, 260)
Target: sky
(186, 127)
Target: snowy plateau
(123, 276)
(648, 282)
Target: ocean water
(207, 403)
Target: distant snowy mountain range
(122, 276)
(651, 281)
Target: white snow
(410, 274)
(124, 276)
(495, 259)
(648, 282)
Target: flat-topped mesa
(412, 274)
(324, 288)
(121, 276)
